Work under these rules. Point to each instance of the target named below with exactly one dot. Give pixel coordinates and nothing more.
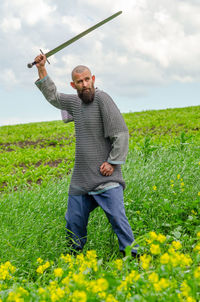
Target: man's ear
(93, 78)
(73, 85)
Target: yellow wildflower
(182, 184)
(185, 260)
(111, 298)
(155, 249)
(153, 277)
(198, 235)
(13, 296)
(41, 291)
(197, 247)
(42, 268)
(5, 270)
(58, 272)
(197, 273)
(118, 264)
(178, 176)
(190, 299)
(102, 295)
(145, 261)
(176, 245)
(39, 260)
(193, 212)
(153, 235)
(154, 188)
(162, 284)
(161, 238)
(198, 193)
(185, 289)
(79, 296)
(165, 258)
(57, 294)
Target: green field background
(162, 194)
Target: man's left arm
(117, 154)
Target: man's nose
(84, 83)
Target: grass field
(162, 200)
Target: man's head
(83, 82)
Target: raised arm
(41, 61)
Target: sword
(82, 34)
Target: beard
(87, 95)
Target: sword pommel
(30, 65)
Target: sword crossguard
(43, 54)
(30, 65)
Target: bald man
(101, 148)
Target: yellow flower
(178, 176)
(162, 284)
(155, 249)
(102, 295)
(118, 264)
(154, 188)
(41, 291)
(5, 270)
(176, 245)
(153, 277)
(197, 273)
(42, 268)
(182, 184)
(39, 260)
(198, 193)
(58, 272)
(172, 185)
(190, 299)
(193, 212)
(165, 258)
(153, 235)
(185, 289)
(102, 284)
(57, 294)
(161, 238)
(145, 261)
(198, 235)
(79, 296)
(185, 260)
(197, 247)
(111, 298)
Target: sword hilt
(30, 65)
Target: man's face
(84, 84)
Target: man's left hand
(106, 169)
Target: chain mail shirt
(96, 126)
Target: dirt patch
(42, 143)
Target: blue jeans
(112, 203)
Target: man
(101, 148)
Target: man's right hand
(41, 60)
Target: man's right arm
(41, 60)
(49, 90)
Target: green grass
(162, 192)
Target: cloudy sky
(146, 58)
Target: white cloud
(8, 78)
(10, 24)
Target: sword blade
(82, 34)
